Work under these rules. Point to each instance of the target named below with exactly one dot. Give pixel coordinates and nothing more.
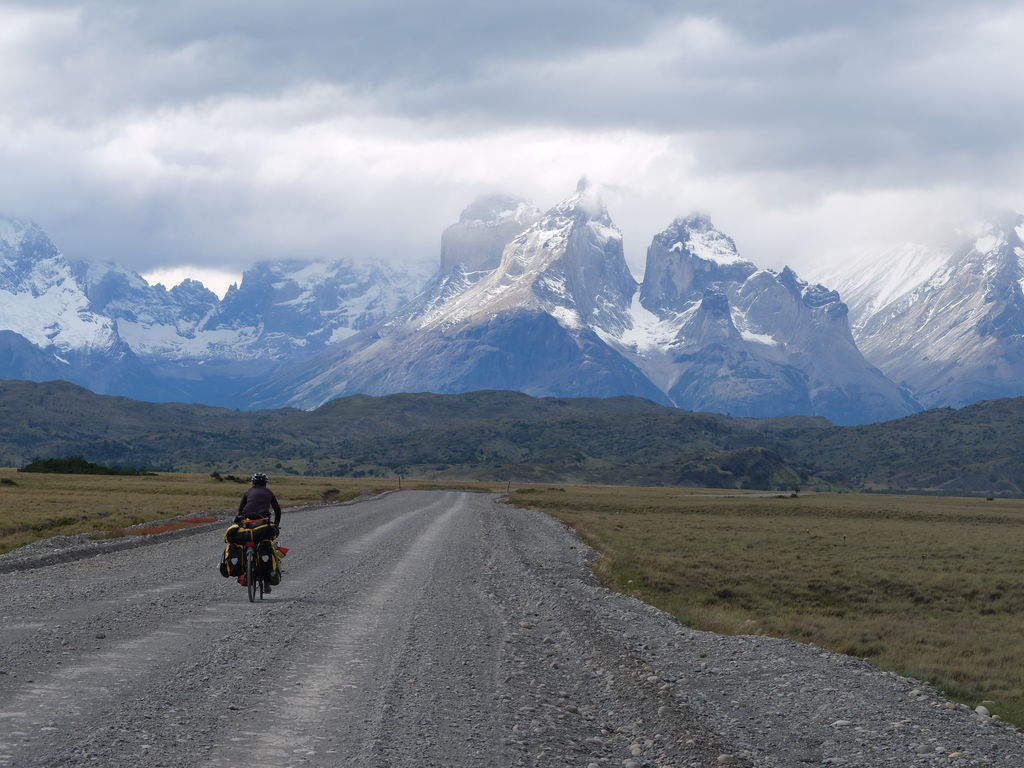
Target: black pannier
(265, 564)
(233, 562)
(274, 577)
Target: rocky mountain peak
(682, 228)
(708, 325)
(568, 263)
(494, 209)
(308, 303)
(998, 238)
(696, 235)
(25, 237)
(789, 279)
(191, 288)
(813, 295)
(745, 340)
(484, 228)
(29, 260)
(586, 203)
(687, 258)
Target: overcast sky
(214, 133)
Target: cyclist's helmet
(259, 479)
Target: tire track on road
(86, 689)
(333, 699)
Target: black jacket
(257, 502)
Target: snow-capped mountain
(687, 258)
(152, 320)
(528, 325)
(470, 250)
(284, 308)
(542, 303)
(716, 333)
(568, 263)
(562, 315)
(43, 304)
(40, 296)
(957, 336)
(874, 278)
(106, 328)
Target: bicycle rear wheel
(250, 574)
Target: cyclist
(258, 501)
(256, 504)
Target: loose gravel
(425, 629)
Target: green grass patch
(929, 587)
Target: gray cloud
(125, 53)
(223, 132)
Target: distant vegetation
(76, 465)
(38, 506)
(931, 588)
(509, 436)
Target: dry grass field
(35, 506)
(930, 587)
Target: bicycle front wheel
(250, 574)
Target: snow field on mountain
(56, 316)
(646, 331)
(711, 246)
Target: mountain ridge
(106, 328)
(562, 315)
(542, 302)
(512, 436)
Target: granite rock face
(716, 333)
(475, 243)
(687, 258)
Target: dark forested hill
(979, 447)
(507, 435)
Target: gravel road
(427, 629)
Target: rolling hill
(509, 435)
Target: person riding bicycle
(257, 502)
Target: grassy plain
(929, 587)
(35, 506)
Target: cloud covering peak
(226, 132)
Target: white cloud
(217, 280)
(223, 133)
(310, 173)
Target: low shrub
(76, 465)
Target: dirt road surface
(428, 629)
